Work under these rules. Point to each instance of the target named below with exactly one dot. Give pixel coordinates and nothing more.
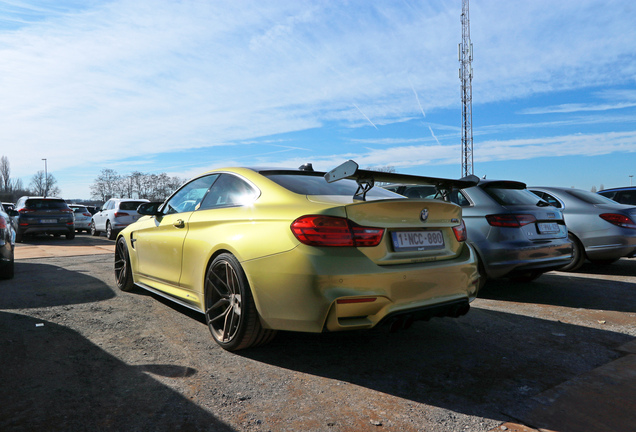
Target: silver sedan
(600, 229)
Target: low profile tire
(94, 231)
(230, 311)
(123, 272)
(18, 236)
(578, 255)
(70, 235)
(110, 233)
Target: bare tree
(42, 185)
(5, 174)
(155, 187)
(105, 185)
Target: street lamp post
(46, 179)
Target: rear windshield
(45, 204)
(130, 205)
(317, 185)
(80, 209)
(590, 197)
(512, 196)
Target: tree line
(109, 184)
(12, 189)
(153, 187)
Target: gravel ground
(77, 354)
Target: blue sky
(183, 87)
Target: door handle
(179, 223)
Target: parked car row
(517, 236)
(261, 250)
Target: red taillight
(67, 211)
(25, 210)
(3, 223)
(619, 220)
(334, 231)
(87, 214)
(120, 214)
(510, 220)
(460, 232)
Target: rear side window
(317, 185)
(548, 198)
(130, 205)
(458, 198)
(46, 204)
(228, 191)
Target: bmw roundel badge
(424, 215)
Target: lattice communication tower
(466, 77)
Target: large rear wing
(366, 179)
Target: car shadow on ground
(484, 364)
(623, 267)
(42, 285)
(59, 381)
(571, 290)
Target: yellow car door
(159, 241)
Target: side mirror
(13, 213)
(149, 209)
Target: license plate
(417, 240)
(48, 221)
(548, 227)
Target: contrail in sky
(417, 99)
(431, 129)
(368, 119)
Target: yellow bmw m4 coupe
(261, 250)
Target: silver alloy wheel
(230, 311)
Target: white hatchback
(115, 215)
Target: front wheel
(230, 311)
(123, 272)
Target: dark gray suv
(40, 215)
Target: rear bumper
(43, 229)
(510, 258)
(300, 290)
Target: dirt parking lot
(77, 354)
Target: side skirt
(168, 297)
